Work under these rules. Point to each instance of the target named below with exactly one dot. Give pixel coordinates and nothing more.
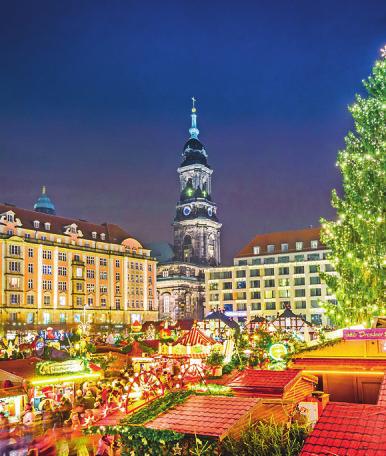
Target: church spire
(44, 203)
(193, 130)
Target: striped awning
(195, 337)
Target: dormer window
(270, 248)
(47, 226)
(103, 236)
(314, 244)
(94, 234)
(284, 247)
(256, 250)
(36, 224)
(10, 217)
(73, 229)
(299, 245)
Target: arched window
(211, 246)
(166, 302)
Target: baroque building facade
(56, 270)
(196, 234)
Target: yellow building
(56, 270)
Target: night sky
(95, 104)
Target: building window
(14, 266)
(117, 263)
(300, 304)
(300, 293)
(283, 259)
(79, 301)
(256, 250)
(269, 260)
(30, 299)
(270, 306)
(269, 294)
(30, 268)
(15, 299)
(47, 255)
(30, 318)
(299, 258)
(47, 285)
(117, 276)
(255, 295)
(103, 236)
(117, 289)
(36, 224)
(313, 269)
(316, 292)
(62, 286)
(299, 245)
(254, 273)
(46, 318)
(79, 287)
(284, 271)
(213, 286)
(284, 282)
(103, 275)
(118, 304)
(298, 281)
(90, 302)
(103, 302)
(90, 273)
(256, 306)
(10, 217)
(269, 271)
(269, 283)
(255, 283)
(241, 273)
(284, 247)
(79, 272)
(30, 284)
(242, 262)
(329, 267)
(256, 261)
(102, 261)
(30, 253)
(165, 273)
(47, 270)
(284, 294)
(62, 256)
(314, 244)
(94, 235)
(315, 304)
(315, 280)
(299, 270)
(270, 248)
(62, 318)
(47, 300)
(227, 296)
(77, 318)
(313, 257)
(241, 284)
(62, 271)
(62, 300)
(90, 260)
(47, 226)
(14, 250)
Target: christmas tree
(357, 239)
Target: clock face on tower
(186, 210)
(210, 211)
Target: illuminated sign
(278, 352)
(364, 334)
(64, 367)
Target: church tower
(196, 226)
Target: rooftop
(265, 382)
(113, 233)
(305, 235)
(204, 415)
(348, 429)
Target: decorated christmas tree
(357, 239)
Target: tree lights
(357, 238)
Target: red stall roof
(382, 393)
(265, 382)
(340, 364)
(348, 430)
(22, 368)
(195, 337)
(205, 415)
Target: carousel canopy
(218, 315)
(195, 337)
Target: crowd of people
(55, 429)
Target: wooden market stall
(350, 369)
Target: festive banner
(364, 334)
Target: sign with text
(364, 334)
(57, 368)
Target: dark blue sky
(95, 100)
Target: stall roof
(195, 337)
(266, 382)
(348, 429)
(205, 415)
(218, 315)
(382, 393)
(25, 368)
